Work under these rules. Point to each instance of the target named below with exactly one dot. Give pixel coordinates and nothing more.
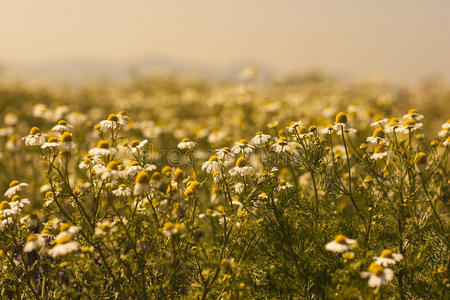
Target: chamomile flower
(341, 124)
(123, 118)
(122, 191)
(260, 139)
(186, 144)
(420, 162)
(34, 241)
(67, 143)
(34, 138)
(31, 220)
(104, 228)
(413, 114)
(102, 149)
(242, 147)
(133, 167)
(224, 154)
(212, 165)
(6, 209)
(87, 162)
(63, 246)
(341, 244)
(381, 151)
(142, 185)
(294, 126)
(136, 146)
(284, 185)
(327, 130)
(241, 168)
(387, 257)
(410, 125)
(377, 136)
(52, 143)
(282, 145)
(393, 125)
(15, 187)
(62, 127)
(303, 132)
(379, 121)
(377, 275)
(112, 122)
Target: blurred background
(400, 41)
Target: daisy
(341, 244)
(224, 154)
(420, 162)
(260, 139)
(342, 124)
(186, 144)
(410, 125)
(212, 165)
(284, 185)
(294, 126)
(123, 118)
(34, 138)
(142, 183)
(413, 114)
(87, 162)
(136, 145)
(327, 130)
(242, 147)
(5, 221)
(282, 145)
(62, 127)
(377, 275)
(122, 191)
(111, 123)
(303, 132)
(111, 171)
(15, 186)
(52, 143)
(380, 152)
(104, 228)
(241, 168)
(379, 121)
(67, 143)
(34, 241)
(393, 125)
(7, 210)
(377, 136)
(387, 257)
(63, 245)
(31, 220)
(19, 202)
(238, 188)
(133, 167)
(102, 149)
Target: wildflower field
(179, 188)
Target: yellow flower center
(156, 176)
(62, 240)
(380, 148)
(394, 122)
(134, 143)
(243, 141)
(409, 122)
(413, 111)
(213, 158)
(14, 183)
(106, 227)
(113, 165)
(113, 117)
(420, 159)
(35, 130)
(62, 122)
(178, 174)
(52, 139)
(32, 237)
(4, 205)
(341, 118)
(302, 130)
(376, 269)
(340, 239)
(386, 253)
(186, 139)
(241, 162)
(103, 144)
(66, 137)
(142, 177)
(64, 227)
(378, 132)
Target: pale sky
(398, 39)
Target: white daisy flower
(63, 245)
(260, 139)
(242, 147)
(341, 244)
(15, 187)
(413, 114)
(34, 138)
(224, 154)
(102, 149)
(294, 126)
(104, 228)
(67, 143)
(186, 144)
(111, 123)
(122, 191)
(52, 143)
(327, 130)
(381, 151)
(62, 127)
(420, 162)
(283, 145)
(377, 275)
(238, 188)
(136, 146)
(34, 241)
(410, 125)
(377, 136)
(212, 165)
(241, 168)
(284, 185)
(31, 220)
(379, 122)
(342, 124)
(387, 257)
(133, 167)
(6, 209)
(142, 183)
(123, 118)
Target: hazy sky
(398, 39)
